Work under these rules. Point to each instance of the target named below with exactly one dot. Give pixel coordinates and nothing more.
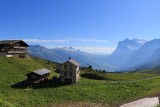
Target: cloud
(99, 50)
(65, 40)
(44, 40)
(93, 40)
(73, 42)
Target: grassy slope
(151, 70)
(119, 76)
(13, 70)
(99, 91)
(127, 76)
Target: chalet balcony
(18, 47)
(17, 52)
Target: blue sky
(89, 25)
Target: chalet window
(65, 66)
(70, 66)
(3, 49)
(70, 73)
(65, 73)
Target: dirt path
(145, 102)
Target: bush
(92, 76)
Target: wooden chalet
(13, 48)
(38, 76)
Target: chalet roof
(74, 62)
(11, 42)
(42, 71)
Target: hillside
(153, 70)
(13, 70)
(86, 92)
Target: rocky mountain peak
(131, 44)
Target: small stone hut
(69, 71)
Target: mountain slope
(143, 55)
(123, 51)
(152, 62)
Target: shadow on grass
(22, 84)
(49, 84)
(95, 76)
(46, 84)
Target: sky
(94, 26)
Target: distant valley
(62, 54)
(129, 55)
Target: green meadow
(106, 89)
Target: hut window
(3, 49)
(33, 76)
(65, 73)
(65, 66)
(70, 66)
(70, 73)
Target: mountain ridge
(62, 54)
(129, 55)
(124, 50)
(143, 55)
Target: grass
(87, 91)
(5, 104)
(151, 70)
(91, 74)
(127, 76)
(78, 104)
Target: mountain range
(148, 56)
(62, 54)
(128, 56)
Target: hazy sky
(90, 25)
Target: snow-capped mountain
(62, 54)
(124, 50)
(129, 55)
(66, 48)
(145, 54)
(131, 44)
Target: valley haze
(129, 55)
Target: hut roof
(42, 71)
(11, 42)
(74, 62)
